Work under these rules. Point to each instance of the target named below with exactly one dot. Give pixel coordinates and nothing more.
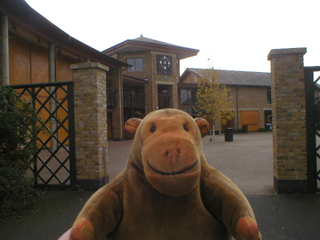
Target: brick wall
(145, 74)
(248, 98)
(244, 98)
(289, 120)
(90, 124)
(150, 72)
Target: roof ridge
(233, 77)
(245, 71)
(146, 44)
(150, 40)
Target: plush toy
(167, 190)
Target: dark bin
(228, 134)
(269, 126)
(245, 128)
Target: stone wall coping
(286, 51)
(87, 65)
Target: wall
(249, 98)
(289, 120)
(150, 72)
(244, 98)
(29, 63)
(189, 78)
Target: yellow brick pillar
(90, 101)
(174, 94)
(289, 120)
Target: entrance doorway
(164, 96)
(251, 119)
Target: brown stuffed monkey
(167, 190)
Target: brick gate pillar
(289, 120)
(90, 103)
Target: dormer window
(137, 64)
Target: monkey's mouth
(173, 173)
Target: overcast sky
(234, 34)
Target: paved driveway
(247, 160)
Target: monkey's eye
(153, 128)
(186, 127)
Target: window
(185, 94)
(137, 64)
(164, 96)
(164, 99)
(269, 96)
(188, 97)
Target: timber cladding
(29, 63)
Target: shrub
(17, 146)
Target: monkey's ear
(203, 126)
(131, 126)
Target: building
(143, 74)
(249, 91)
(129, 79)
(150, 83)
(33, 50)
(67, 81)
(36, 51)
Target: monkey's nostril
(174, 152)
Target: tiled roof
(239, 77)
(147, 44)
(149, 40)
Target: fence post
(289, 120)
(90, 109)
(4, 50)
(117, 111)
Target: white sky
(234, 34)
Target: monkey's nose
(173, 152)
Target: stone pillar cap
(286, 51)
(89, 65)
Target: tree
(213, 100)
